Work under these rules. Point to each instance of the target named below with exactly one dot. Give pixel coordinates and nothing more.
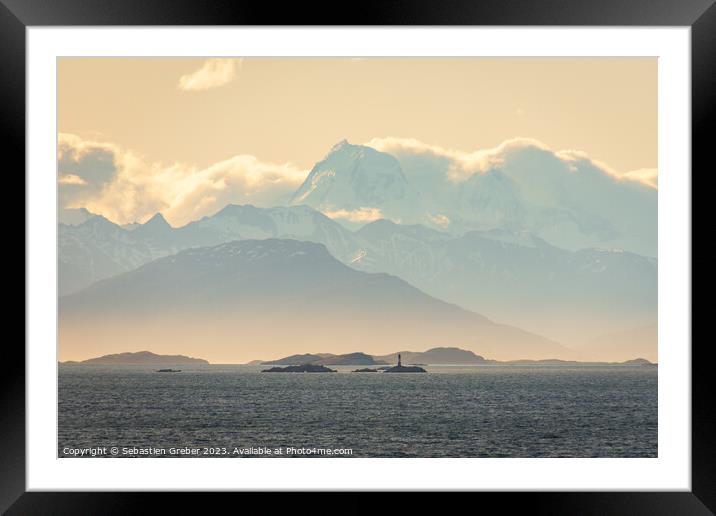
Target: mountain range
(434, 356)
(271, 295)
(552, 245)
(563, 198)
(511, 276)
(357, 358)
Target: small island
(168, 370)
(400, 368)
(365, 370)
(304, 368)
(639, 362)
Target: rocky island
(304, 368)
(400, 368)
(365, 370)
(405, 369)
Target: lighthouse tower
(399, 360)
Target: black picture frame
(17, 15)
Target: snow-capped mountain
(355, 177)
(98, 248)
(567, 200)
(235, 222)
(233, 294)
(511, 276)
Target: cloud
(357, 215)
(565, 197)
(84, 168)
(212, 74)
(461, 165)
(136, 189)
(649, 176)
(71, 179)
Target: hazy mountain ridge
(305, 358)
(480, 241)
(140, 358)
(233, 293)
(518, 277)
(512, 276)
(434, 356)
(97, 248)
(641, 341)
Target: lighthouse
(399, 360)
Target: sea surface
(458, 411)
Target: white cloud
(136, 188)
(561, 195)
(212, 74)
(71, 179)
(649, 176)
(462, 165)
(357, 215)
(565, 197)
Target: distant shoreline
(443, 357)
(494, 364)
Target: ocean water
(481, 411)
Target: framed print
(440, 249)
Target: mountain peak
(98, 221)
(74, 216)
(157, 220)
(234, 209)
(352, 177)
(341, 145)
(156, 227)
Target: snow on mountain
(487, 201)
(564, 198)
(249, 222)
(355, 177)
(99, 249)
(508, 275)
(94, 250)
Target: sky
(183, 136)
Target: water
(498, 411)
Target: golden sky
(294, 109)
(175, 130)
